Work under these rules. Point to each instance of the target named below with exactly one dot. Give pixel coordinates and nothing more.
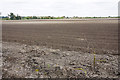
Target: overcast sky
(60, 7)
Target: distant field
(72, 35)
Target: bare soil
(60, 48)
(25, 61)
(72, 35)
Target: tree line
(12, 16)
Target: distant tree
(34, 17)
(51, 17)
(18, 17)
(46, 17)
(27, 17)
(5, 18)
(67, 17)
(63, 16)
(12, 16)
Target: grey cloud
(60, 8)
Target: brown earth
(60, 48)
(72, 35)
(25, 61)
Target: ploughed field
(60, 48)
(99, 35)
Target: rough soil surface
(25, 61)
(69, 35)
